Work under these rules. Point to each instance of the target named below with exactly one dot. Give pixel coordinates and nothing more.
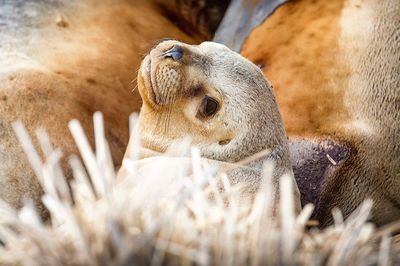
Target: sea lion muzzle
(163, 73)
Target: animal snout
(175, 53)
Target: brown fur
(335, 67)
(370, 45)
(297, 49)
(61, 60)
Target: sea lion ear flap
(313, 161)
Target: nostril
(176, 53)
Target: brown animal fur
(61, 60)
(335, 67)
(297, 49)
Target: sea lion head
(211, 94)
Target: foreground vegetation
(164, 215)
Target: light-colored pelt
(246, 123)
(135, 220)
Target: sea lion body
(370, 47)
(61, 60)
(336, 74)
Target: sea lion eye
(209, 106)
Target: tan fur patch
(53, 74)
(297, 48)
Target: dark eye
(209, 106)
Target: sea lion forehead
(228, 59)
(219, 53)
(214, 47)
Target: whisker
(137, 85)
(134, 80)
(170, 101)
(158, 123)
(170, 111)
(167, 122)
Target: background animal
(335, 69)
(61, 60)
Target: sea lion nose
(176, 53)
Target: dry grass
(162, 214)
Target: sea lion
(369, 44)
(336, 74)
(61, 60)
(218, 99)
